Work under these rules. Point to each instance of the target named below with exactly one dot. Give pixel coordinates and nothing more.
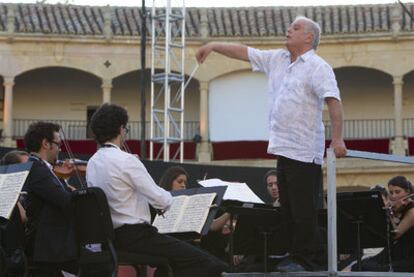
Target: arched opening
(126, 92)
(365, 92)
(55, 93)
(408, 110)
(1, 104)
(238, 116)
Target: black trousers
(185, 259)
(301, 195)
(53, 269)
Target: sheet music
(187, 213)
(195, 214)
(10, 186)
(235, 191)
(171, 218)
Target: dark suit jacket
(50, 230)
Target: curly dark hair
(402, 182)
(272, 172)
(37, 132)
(170, 175)
(107, 121)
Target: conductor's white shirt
(296, 93)
(127, 185)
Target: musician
(299, 84)
(130, 189)
(174, 178)
(12, 230)
(402, 246)
(272, 186)
(15, 157)
(384, 193)
(50, 234)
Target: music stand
(257, 231)
(362, 222)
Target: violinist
(51, 244)
(402, 246)
(129, 189)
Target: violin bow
(72, 157)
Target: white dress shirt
(296, 93)
(127, 185)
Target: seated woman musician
(176, 178)
(402, 244)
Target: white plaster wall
(238, 107)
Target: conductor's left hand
(339, 147)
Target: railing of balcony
(74, 129)
(353, 129)
(364, 128)
(408, 127)
(77, 129)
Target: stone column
(106, 90)
(204, 148)
(398, 144)
(8, 112)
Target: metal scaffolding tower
(167, 79)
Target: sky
(211, 3)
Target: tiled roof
(220, 22)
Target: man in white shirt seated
(130, 189)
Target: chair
(94, 226)
(13, 261)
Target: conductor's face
(298, 35)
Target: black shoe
(289, 266)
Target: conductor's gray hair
(313, 27)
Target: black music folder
(256, 228)
(362, 221)
(192, 212)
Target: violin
(403, 200)
(394, 207)
(65, 169)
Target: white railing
(78, 129)
(408, 127)
(353, 129)
(364, 128)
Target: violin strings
(72, 158)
